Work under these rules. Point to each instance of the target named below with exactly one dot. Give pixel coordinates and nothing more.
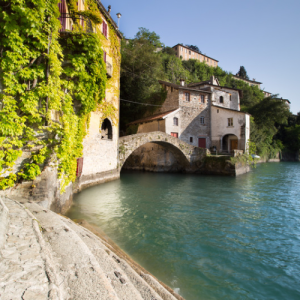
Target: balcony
(67, 23)
(108, 70)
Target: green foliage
(146, 35)
(43, 74)
(194, 48)
(169, 50)
(141, 67)
(267, 116)
(242, 73)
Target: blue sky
(263, 36)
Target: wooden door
(233, 144)
(202, 142)
(175, 134)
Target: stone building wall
(190, 115)
(156, 125)
(171, 101)
(228, 102)
(169, 121)
(220, 128)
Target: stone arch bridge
(190, 156)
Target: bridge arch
(190, 154)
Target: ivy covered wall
(50, 83)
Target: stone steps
(48, 256)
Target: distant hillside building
(248, 81)
(267, 94)
(185, 53)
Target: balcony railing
(67, 23)
(108, 69)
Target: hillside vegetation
(273, 127)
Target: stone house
(202, 114)
(185, 53)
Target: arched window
(106, 130)
(175, 121)
(221, 99)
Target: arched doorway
(106, 130)
(230, 142)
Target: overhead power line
(147, 104)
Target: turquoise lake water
(207, 237)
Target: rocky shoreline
(44, 255)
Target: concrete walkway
(48, 256)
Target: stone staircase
(47, 256)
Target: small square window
(191, 139)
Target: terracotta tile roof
(152, 118)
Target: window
(175, 134)
(187, 97)
(190, 52)
(104, 56)
(230, 97)
(171, 89)
(175, 121)
(201, 120)
(202, 98)
(221, 99)
(191, 139)
(106, 130)
(181, 49)
(230, 121)
(217, 111)
(104, 29)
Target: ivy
(44, 73)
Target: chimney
(109, 8)
(182, 82)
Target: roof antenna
(109, 8)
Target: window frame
(202, 98)
(202, 120)
(221, 99)
(191, 139)
(175, 121)
(230, 122)
(185, 96)
(104, 28)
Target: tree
(194, 47)
(150, 36)
(141, 67)
(168, 50)
(267, 117)
(242, 73)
